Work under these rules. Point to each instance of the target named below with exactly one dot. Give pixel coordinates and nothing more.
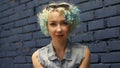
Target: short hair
(70, 12)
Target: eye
(64, 23)
(53, 24)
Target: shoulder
(87, 52)
(34, 55)
(35, 61)
(78, 45)
(86, 61)
(43, 49)
(40, 50)
(82, 49)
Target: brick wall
(20, 34)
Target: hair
(71, 14)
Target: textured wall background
(20, 34)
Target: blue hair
(72, 17)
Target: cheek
(50, 30)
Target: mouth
(59, 36)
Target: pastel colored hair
(70, 12)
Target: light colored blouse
(72, 58)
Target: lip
(59, 36)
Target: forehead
(54, 15)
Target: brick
(25, 37)
(5, 33)
(14, 4)
(87, 36)
(30, 4)
(23, 51)
(6, 60)
(10, 54)
(8, 12)
(20, 8)
(3, 1)
(106, 58)
(83, 37)
(97, 24)
(8, 26)
(38, 35)
(1, 14)
(26, 13)
(4, 7)
(118, 10)
(29, 28)
(98, 47)
(38, 2)
(32, 19)
(87, 16)
(2, 54)
(76, 38)
(14, 17)
(105, 12)
(9, 65)
(94, 58)
(42, 42)
(21, 22)
(107, 33)
(13, 38)
(4, 20)
(38, 27)
(113, 21)
(20, 59)
(3, 40)
(115, 65)
(77, 1)
(82, 27)
(114, 45)
(111, 2)
(24, 1)
(99, 66)
(90, 5)
(5, 47)
(1, 29)
(39, 9)
(23, 66)
(16, 46)
(28, 59)
(29, 44)
(17, 31)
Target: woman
(58, 21)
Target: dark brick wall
(20, 34)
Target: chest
(64, 64)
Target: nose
(59, 29)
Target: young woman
(58, 21)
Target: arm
(35, 60)
(86, 61)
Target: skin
(59, 31)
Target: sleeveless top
(72, 58)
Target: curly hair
(70, 12)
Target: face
(57, 26)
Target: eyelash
(65, 23)
(54, 24)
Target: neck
(59, 45)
